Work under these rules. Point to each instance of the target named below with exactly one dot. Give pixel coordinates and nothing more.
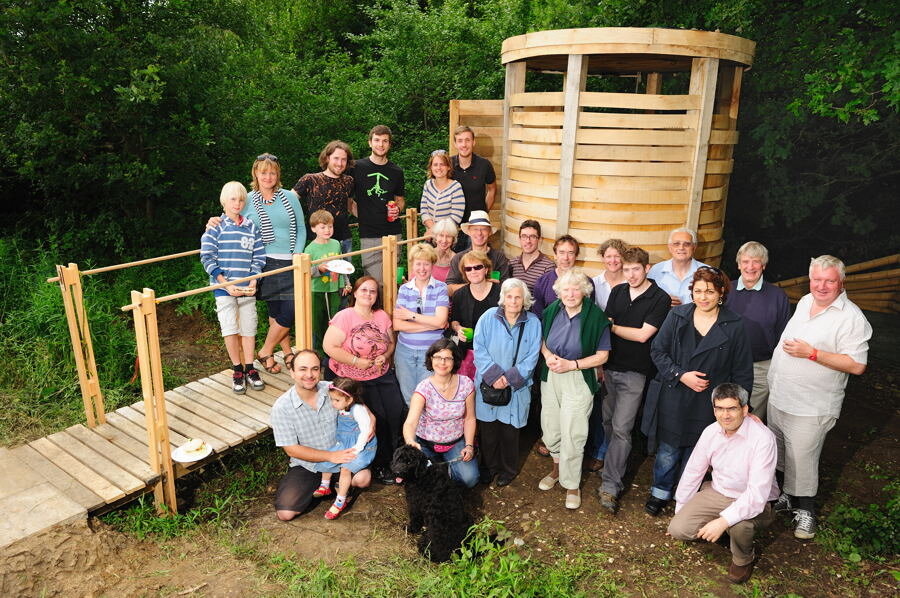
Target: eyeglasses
(529, 237)
(264, 157)
(681, 243)
(475, 268)
(438, 152)
(442, 358)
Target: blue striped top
(449, 203)
(408, 296)
(233, 250)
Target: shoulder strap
(519, 342)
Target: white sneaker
(573, 501)
(805, 525)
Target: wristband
(815, 355)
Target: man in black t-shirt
(379, 189)
(636, 310)
(330, 190)
(475, 174)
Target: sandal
(275, 368)
(334, 511)
(542, 449)
(321, 491)
(289, 360)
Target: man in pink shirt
(742, 453)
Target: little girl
(353, 428)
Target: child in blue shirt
(234, 249)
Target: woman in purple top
(441, 420)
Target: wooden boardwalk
(81, 471)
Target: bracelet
(576, 364)
(472, 445)
(815, 355)
(354, 360)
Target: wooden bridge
(115, 457)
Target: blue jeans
(410, 367)
(667, 468)
(464, 472)
(596, 442)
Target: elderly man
(742, 454)
(479, 229)
(765, 309)
(531, 264)
(674, 275)
(825, 340)
(304, 424)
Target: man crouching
(742, 454)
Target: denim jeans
(597, 442)
(409, 364)
(464, 472)
(667, 468)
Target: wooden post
(704, 72)
(303, 301)
(412, 223)
(389, 272)
(515, 83)
(82, 348)
(576, 78)
(454, 122)
(147, 338)
(654, 83)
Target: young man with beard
(330, 190)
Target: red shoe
(335, 511)
(321, 491)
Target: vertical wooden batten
(704, 73)
(576, 78)
(515, 83)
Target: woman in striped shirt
(442, 197)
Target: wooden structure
(872, 285)
(122, 454)
(600, 164)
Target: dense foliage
(123, 119)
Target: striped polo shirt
(426, 303)
(232, 250)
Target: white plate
(180, 456)
(340, 266)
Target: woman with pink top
(441, 420)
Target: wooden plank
(16, 476)
(137, 431)
(592, 167)
(576, 79)
(535, 164)
(31, 511)
(639, 101)
(188, 430)
(453, 121)
(139, 468)
(723, 137)
(207, 426)
(237, 410)
(546, 191)
(535, 135)
(125, 441)
(634, 137)
(634, 121)
(537, 178)
(658, 183)
(522, 99)
(211, 415)
(704, 74)
(480, 107)
(222, 383)
(87, 476)
(98, 462)
(629, 196)
(534, 150)
(206, 387)
(265, 398)
(59, 478)
(137, 416)
(633, 152)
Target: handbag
(500, 397)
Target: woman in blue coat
(699, 346)
(496, 336)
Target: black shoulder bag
(500, 397)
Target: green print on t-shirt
(377, 189)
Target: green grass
(870, 532)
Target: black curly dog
(434, 501)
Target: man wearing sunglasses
(674, 275)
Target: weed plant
(865, 532)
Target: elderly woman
(359, 342)
(276, 212)
(565, 250)
(575, 341)
(469, 302)
(442, 197)
(441, 420)
(420, 317)
(444, 233)
(699, 346)
(507, 344)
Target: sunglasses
(438, 152)
(473, 268)
(264, 157)
(419, 305)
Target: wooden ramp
(83, 471)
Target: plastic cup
(468, 333)
(495, 274)
(401, 272)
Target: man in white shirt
(674, 276)
(826, 340)
(742, 454)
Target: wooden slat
(124, 441)
(480, 107)
(632, 137)
(533, 190)
(136, 416)
(535, 135)
(116, 475)
(576, 79)
(189, 430)
(237, 410)
(723, 137)
(546, 98)
(536, 178)
(535, 164)
(633, 152)
(535, 150)
(632, 183)
(629, 196)
(87, 476)
(120, 457)
(257, 409)
(704, 74)
(126, 424)
(208, 427)
(639, 101)
(207, 413)
(59, 478)
(632, 168)
(222, 383)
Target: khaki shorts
(237, 315)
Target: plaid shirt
(435, 296)
(294, 422)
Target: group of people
(718, 371)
